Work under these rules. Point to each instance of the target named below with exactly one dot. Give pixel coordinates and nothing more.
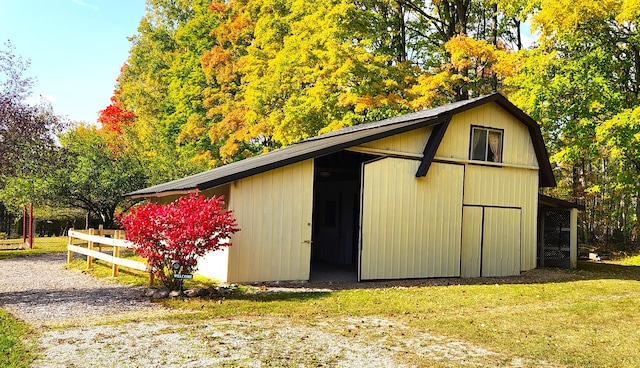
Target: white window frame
(480, 148)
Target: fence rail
(113, 239)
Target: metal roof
(345, 138)
(547, 201)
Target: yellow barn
(446, 192)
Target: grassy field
(15, 342)
(40, 246)
(631, 261)
(583, 318)
(589, 319)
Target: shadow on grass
(56, 299)
(55, 305)
(606, 270)
(587, 270)
(318, 289)
(269, 296)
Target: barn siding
(274, 212)
(501, 242)
(507, 187)
(484, 185)
(412, 142)
(219, 191)
(411, 226)
(517, 145)
(214, 264)
(498, 186)
(471, 241)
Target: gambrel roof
(352, 136)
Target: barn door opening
(336, 213)
(491, 239)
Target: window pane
(479, 144)
(494, 153)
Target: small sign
(182, 276)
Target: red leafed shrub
(181, 231)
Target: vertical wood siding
(219, 191)
(501, 242)
(471, 241)
(409, 142)
(507, 187)
(411, 226)
(517, 146)
(274, 212)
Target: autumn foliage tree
(27, 131)
(180, 231)
(115, 116)
(216, 81)
(582, 83)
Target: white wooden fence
(114, 239)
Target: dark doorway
(336, 216)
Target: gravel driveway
(39, 291)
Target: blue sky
(76, 48)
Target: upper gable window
(486, 144)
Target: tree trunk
(518, 34)
(494, 41)
(403, 34)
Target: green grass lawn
(15, 345)
(583, 318)
(589, 319)
(631, 261)
(40, 246)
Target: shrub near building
(178, 233)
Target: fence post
(100, 233)
(116, 253)
(90, 247)
(69, 253)
(31, 226)
(152, 278)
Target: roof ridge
(429, 113)
(343, 138)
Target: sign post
(178, 268)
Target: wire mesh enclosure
(557, 238)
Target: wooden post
(573, 238)
(70, 253)
(114, 267)
(116, 252)
(24, 226)
(90, 246)
(151, 275)
(541, 213)
(100, 233)
(30, 225)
